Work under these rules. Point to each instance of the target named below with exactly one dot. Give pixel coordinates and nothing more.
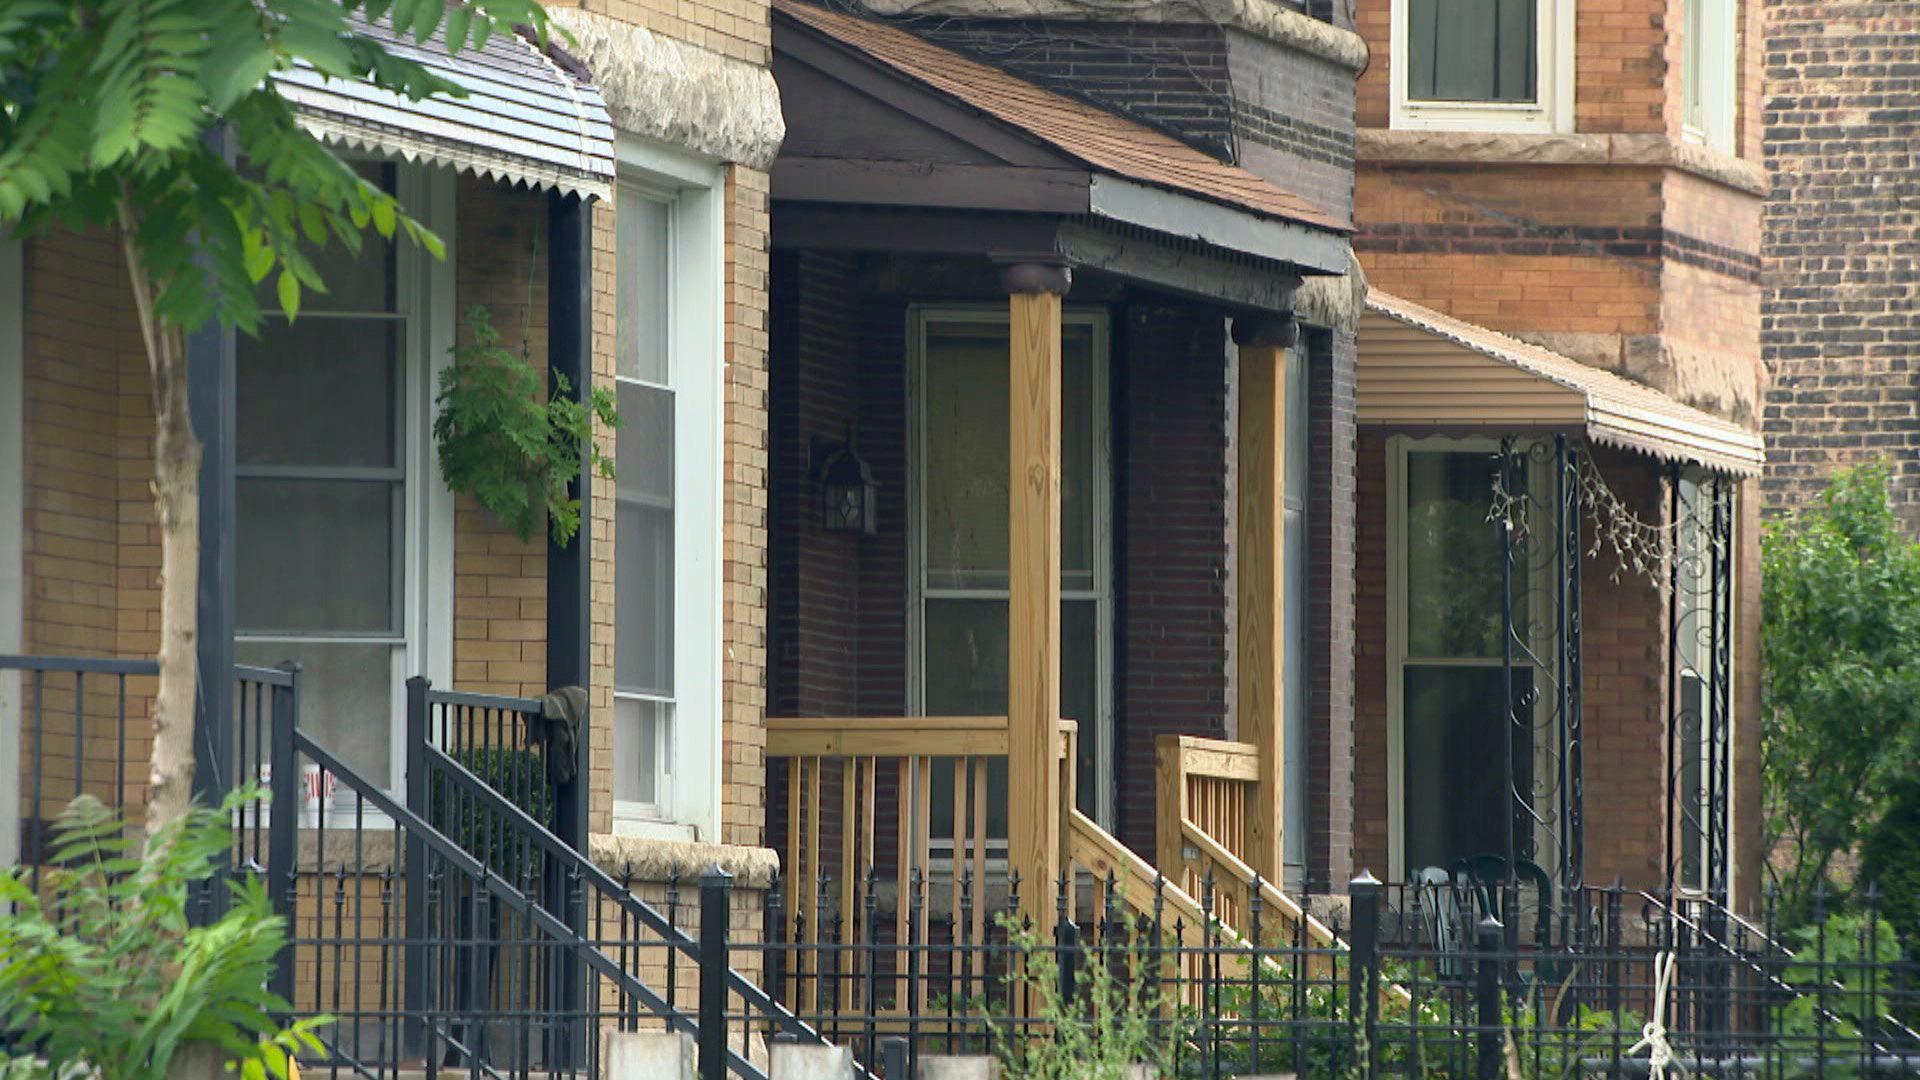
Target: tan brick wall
(744, 655)
(91, 551)
(500, 580)
(735, 28)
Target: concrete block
(792, 1061)
(958, 1067)
(647, 1055)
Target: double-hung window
(341, 524)
(1483, 65)
(667, 523)
(1707, 73)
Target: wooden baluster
(904, 829)
(794, 867)
(810, 889)
(961, 768)
(923, 833)
(849, 838)
(979, 861)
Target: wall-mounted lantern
(849, 499)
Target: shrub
(105, 976)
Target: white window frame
(1717, 73)
(13, 473)
(1398, 448)
(1551, 112)
(919, 317)
(425, 300)
(694, 188)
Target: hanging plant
(512, 448)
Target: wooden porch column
(1034, 790)
(1263, 344)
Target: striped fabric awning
(524, 119)
(1421, 368)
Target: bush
(1841, 685)
(105, 977)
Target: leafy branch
(514, 452)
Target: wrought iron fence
(1424, 982)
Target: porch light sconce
(849, 499)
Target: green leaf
(288, 288)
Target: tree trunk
(176, 493)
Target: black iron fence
(447, 928)
(1424, 982)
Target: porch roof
(525, 119)
(1418, 366)
(879, 116)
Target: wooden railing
(860, 805)
(1206, 800)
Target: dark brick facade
(839, 603)
(1170, 452)
(1331, 567)
(1840, 329)
(1283, 114)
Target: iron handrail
(500, 888)
(644, 913)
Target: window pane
(1453, 556)
(643, 466)
(966, 675)
(1080, 694)
(965, 399)
(1471, 50)
(643, 543)
(1455, 759)
(642, 731)
(965, 456)
(318, 392)
(1078, 501)
(1693, 56)
(362, 281)
(346, 698)
(645, 259)
(315, 556)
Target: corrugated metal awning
(524, 119)
(1420, 368)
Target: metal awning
(524, 118)
(1420, 368)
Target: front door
(959, 506)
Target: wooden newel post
(1263, 344)
(1033, 580)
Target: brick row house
(1233, 441)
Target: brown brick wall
(1840, 327)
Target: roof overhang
(1419, 368)
(878, 117)
(523, 119)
